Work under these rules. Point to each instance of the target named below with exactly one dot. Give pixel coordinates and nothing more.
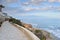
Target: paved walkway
(9, 32)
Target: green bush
(39, 34)
(16, 21)
(37, 31)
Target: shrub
(39, 34)
(16, 21)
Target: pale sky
(45, 8)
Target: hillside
(42, 34)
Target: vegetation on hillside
(16, 21)
(39, 34)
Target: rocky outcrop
(28, 26)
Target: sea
(51, 25)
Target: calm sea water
(51, 25)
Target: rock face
(27, 25)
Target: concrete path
(9, 32)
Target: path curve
(10, 32)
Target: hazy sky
(44, 8)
